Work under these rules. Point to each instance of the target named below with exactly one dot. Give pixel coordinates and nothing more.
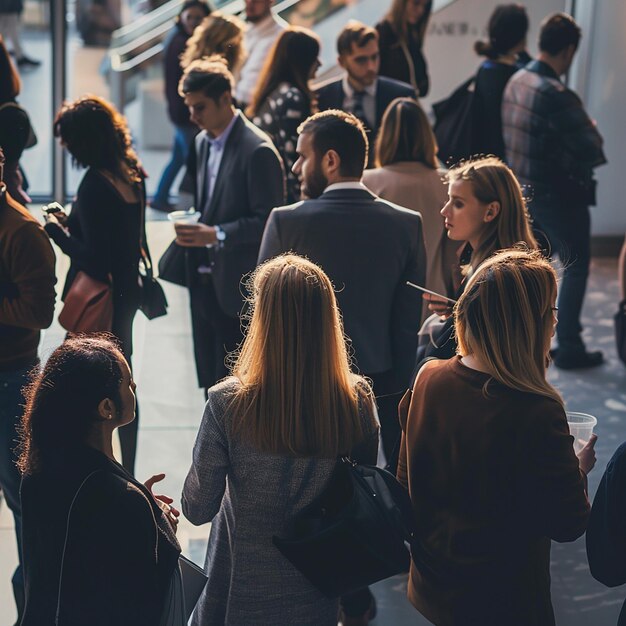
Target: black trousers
(388, 392)
(215, 333)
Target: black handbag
(620, 331)
(355, 533)
(173, 265)
(153, 302)
(454, 123)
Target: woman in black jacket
(401, 37)
(98, 547)
(103, 233)
(192, 12)
(506, 53)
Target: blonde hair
(405, 135)
(505, 318)
(220, 34)
(493, 181)
(298, 395)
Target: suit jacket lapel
(225, 165)
(202, 147)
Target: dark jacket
(331, 96)
(27, 282)
(491, 80)
(104, 240)
(551, 143)
(606, 533)
(120, 552)
(393, 59)
(250, 183)
(369, 248)
(492, 478)
(174, 47)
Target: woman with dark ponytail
(506, 53)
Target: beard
(314, 184)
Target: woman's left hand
(165, 502)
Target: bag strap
(410, 63)
(67, 534)
(144, 250)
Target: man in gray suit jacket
(238, 178)
(368, 247)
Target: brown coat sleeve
(555, 484)
(30, 265)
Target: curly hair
(217, 34)
(96, 135)
(62, 398)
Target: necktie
(357, 107)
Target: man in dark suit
(368, 247)
(238, 178)
(361, 91)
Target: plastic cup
(184, 217)
(581, 427)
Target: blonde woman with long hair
(485, 212)
(487, 456)
(218, 33)
(268, 443)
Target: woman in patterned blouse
(283, 98)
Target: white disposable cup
(581, 427)
(183, 217)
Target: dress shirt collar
(349, 90)
(356, 184)
(220, 141)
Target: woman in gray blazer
(267, 446)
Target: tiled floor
(171, 407)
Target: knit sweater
(27, 282)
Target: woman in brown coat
(488, 459)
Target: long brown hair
(396, 16)
(298, 395)
(10, 83)
(290, 61)
(505, 318)
(218, 33)
(493, 181)
(96, 135)
(405, 135)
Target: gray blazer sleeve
(266, 190)
(407, 305)
(270, 244)
(206, 481)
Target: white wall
(599, 76)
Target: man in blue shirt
(238, 178)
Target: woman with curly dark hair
(98, 546)
(102, 233)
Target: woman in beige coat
(407, 174)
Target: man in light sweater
(26, 305)
(263, 30)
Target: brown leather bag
(88, 306)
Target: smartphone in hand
(432, 293)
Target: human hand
(587, 455)
(53, 218)
(441, 307)
(165, 502)
(194, 235)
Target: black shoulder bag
(355, 533)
